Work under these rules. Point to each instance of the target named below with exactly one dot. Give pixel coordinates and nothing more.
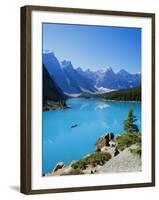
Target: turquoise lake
(94, 117)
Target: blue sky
(95, 47)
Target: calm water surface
(94, 117)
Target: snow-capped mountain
(106, 79)
(120, 80)
(66, 77)
(128, 80)
(53, 67)
(77, 81)
(110, 80)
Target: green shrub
(81, 164)
(127, 139)
(96, 158)
(137, 150)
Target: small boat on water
(73, 126)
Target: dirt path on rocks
(124, 162)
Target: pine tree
(129, 123)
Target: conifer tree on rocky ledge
(129, 123)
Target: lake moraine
(70, 134)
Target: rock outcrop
(118, 161)
(125, 161)
(58, 166)
(105, 140)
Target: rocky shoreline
(107, 157)
(59, 105)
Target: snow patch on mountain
(102, 90)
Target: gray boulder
(58, 166)
(104, 141)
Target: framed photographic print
(87, 99)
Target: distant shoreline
(53, 108)
(122, 101)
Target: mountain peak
(48, 52)
(109, 70)
(66, 63)
(101, 71)
(79, 69)
(123, 72)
